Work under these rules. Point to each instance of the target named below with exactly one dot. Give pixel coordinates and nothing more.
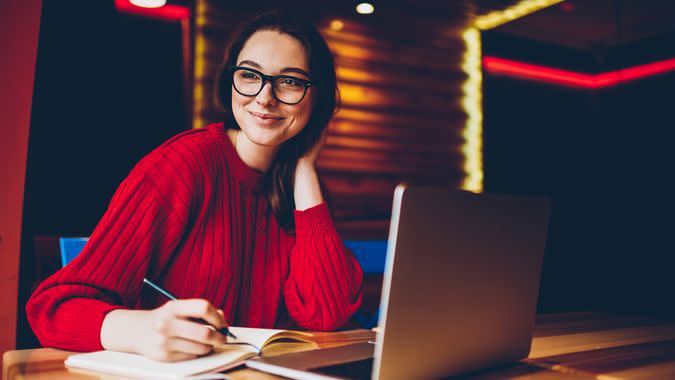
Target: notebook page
(134, 365)
(257, 337)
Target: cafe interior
(568, 100)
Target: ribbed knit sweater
(191, 217)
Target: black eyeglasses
(285, 88)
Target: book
(251, 342)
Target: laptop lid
(461, 281)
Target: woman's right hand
(167, 333)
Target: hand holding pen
(167, 333)
(223, 330)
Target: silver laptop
(460, 290)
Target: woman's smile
(266, 119)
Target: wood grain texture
(568, 323)
(609, 347)
(589, 341)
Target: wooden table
(565, 346)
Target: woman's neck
(255, 156)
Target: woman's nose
(265, 97)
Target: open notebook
(272, 342)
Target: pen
(225, 331)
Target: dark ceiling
(596, 24)
(578, 24)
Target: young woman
(229, 218)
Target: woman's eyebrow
(250, 63)
(285, 70)
(295, 70)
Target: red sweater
(191, 217)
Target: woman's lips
(265, 119)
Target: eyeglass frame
(269, 78)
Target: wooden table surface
(565, 346)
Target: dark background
(604, 157)
(108, 90)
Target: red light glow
(523, 70)
(166, 12)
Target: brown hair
(278, 180)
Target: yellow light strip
(523, 8)
(472, 100)
(199, 96)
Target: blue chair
(71, 247)
(371, 255)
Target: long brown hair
(278, 180)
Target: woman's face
(263, 119)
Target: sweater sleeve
(137, 233)
(323, 288)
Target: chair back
(371, 256)
(70, 248)
(369, 253)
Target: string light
(472, 87)
(472, 103)
(523, 8)
(199, 95)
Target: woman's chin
(265, 139)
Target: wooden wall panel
(401, 118)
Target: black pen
(225, 331)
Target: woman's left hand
(307, 192)
(311, 156)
